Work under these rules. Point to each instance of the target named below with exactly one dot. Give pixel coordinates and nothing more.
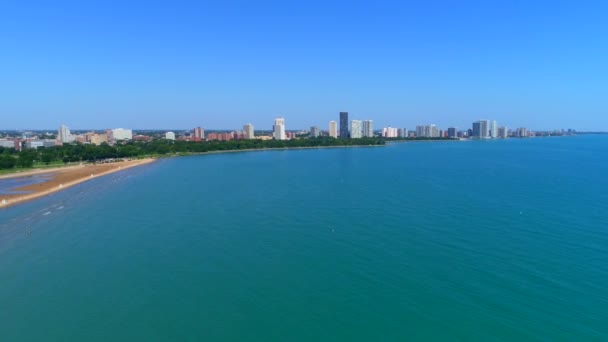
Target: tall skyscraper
(481, 129)
(433, 131)
(199, 133)
(493, 129)
(356, 130)
(279, 129)
(368, 128)
(503, 132)
(64, 135)
(315, 131)
(452, 132)
(344, 125)
(333, 129)
(248, 129)
(485, 128)
(476, 130)
(419, 131)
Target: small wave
(48, 212)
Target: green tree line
(69, 153)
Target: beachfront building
(344, 125)
(279, 129)
(402, 132)
(315, 131)
(333, 129)
(356, 129)
(368, 128)
(249, 133)
(170, 136)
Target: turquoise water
(495, 240)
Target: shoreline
(265, 149)
(64, 178)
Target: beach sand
(63, 178)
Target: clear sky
(221, 64)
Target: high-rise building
(485, 128)
(476, 130)
(333, 129)
(170, 136)
(64, 135)
(493, 129)
(199, 133)
(402, 133)
(279, 129)
(522, 132)
(356, 129)
(452, 132)
(390, 132)
(428, 131)
(503, 132)
(419, 131)
(249, 133)
(344, 125)
(315, 131)
(481, 129)
(368, 128)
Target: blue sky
(221, 64)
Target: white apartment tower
(356, 131)
(64, 135)
(279, 129)
(493, 129)
(248, 129)
(503, 132)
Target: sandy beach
(63, 178)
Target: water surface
(487, 240)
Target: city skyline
(525, 64)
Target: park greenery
(10, 158)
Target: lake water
(480, 240)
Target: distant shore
(62, 178)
